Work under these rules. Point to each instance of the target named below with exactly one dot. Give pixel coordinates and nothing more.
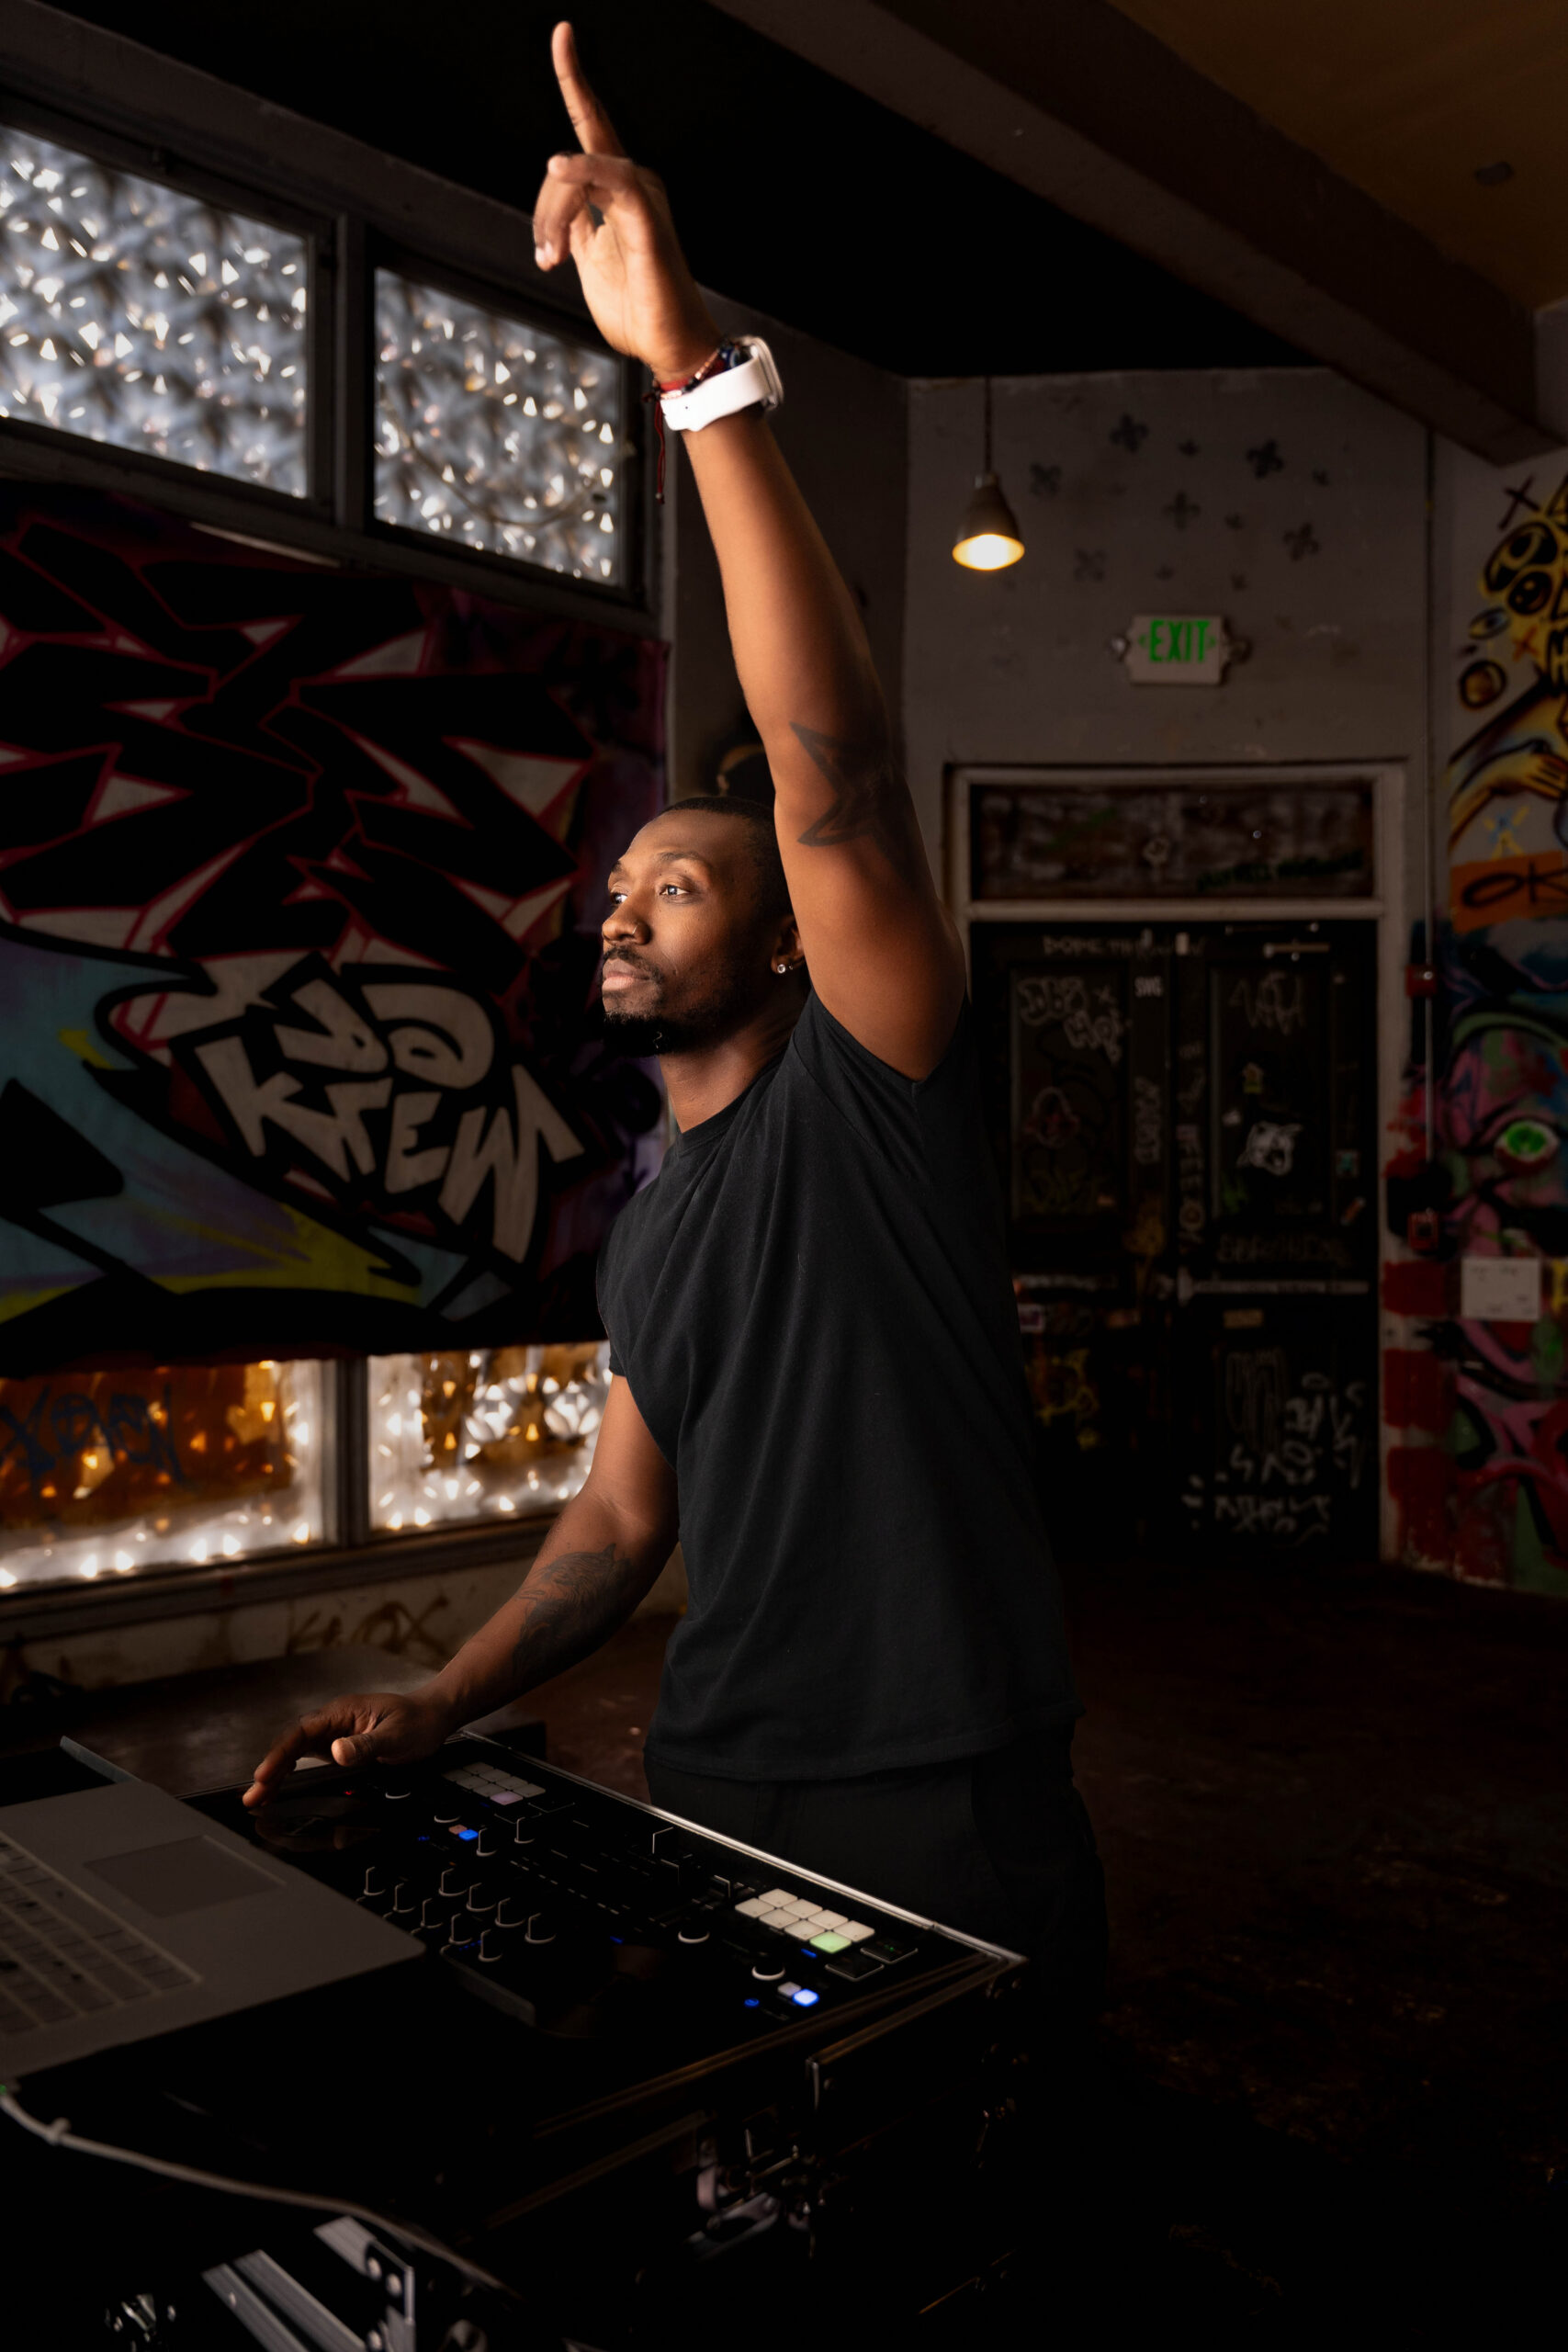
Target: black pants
(997, 1845)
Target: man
(817, 1377)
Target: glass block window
(135, 315)
(493, 433)
(482, 1435)
(106, 1473)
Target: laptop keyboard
(63, 1955)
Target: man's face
(688, 948)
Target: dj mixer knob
(490, 1843)
(455, 1879)
(481, 1897)
(375, 1882)
(542, 1929)
(435, 1913)
(493, 1944)
(512, 1912)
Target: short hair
(763, 840)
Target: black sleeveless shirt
(811, 1306)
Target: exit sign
(1177, 650)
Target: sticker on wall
(1271, 1146)
(1499, 1290)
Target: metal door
(1184, 1116)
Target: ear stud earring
(783, 968)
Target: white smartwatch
(752, 381)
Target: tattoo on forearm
(871, 802)
(570, 1605)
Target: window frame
(501, 294)
(329, 198)
(357, 210)
(315, 230)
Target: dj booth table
(652, 2086)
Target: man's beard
(665, 1033)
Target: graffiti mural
(1481, 1473)
(300, 874)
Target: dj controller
(645, 2080)
(581, 1913)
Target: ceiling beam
(1084, 108)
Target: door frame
(1386, 908)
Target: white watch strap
(754, 383)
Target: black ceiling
(791, 191)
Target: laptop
(125, 1915)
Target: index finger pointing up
(595, 133)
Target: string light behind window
(493, 433)
(133, 314)
(472, 1434)
(118, 1472)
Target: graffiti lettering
(1192, 1214)
(368, 1133)
(26, 1440)
(266, 1020)
(130, 1429)
(1086, 1027)
(1282, 1248)
(1260, 872)
(1146, 1122)
(1296, 1447)
(1277, 1001)
(1282, 1521)
(507, 1151)
(1499, 889)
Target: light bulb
(988, 538)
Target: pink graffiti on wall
(1498, 1183)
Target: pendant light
(988, 538)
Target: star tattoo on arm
(871, 802)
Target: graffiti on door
(1293, 1442)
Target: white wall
(1137, 493)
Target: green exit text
(1173, 641)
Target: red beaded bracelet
(710, 366)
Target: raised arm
(599, 1559)
(882, 952)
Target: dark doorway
(1184, 1116)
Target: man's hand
(598, 1560)
(370, 1727)
(644, 299)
